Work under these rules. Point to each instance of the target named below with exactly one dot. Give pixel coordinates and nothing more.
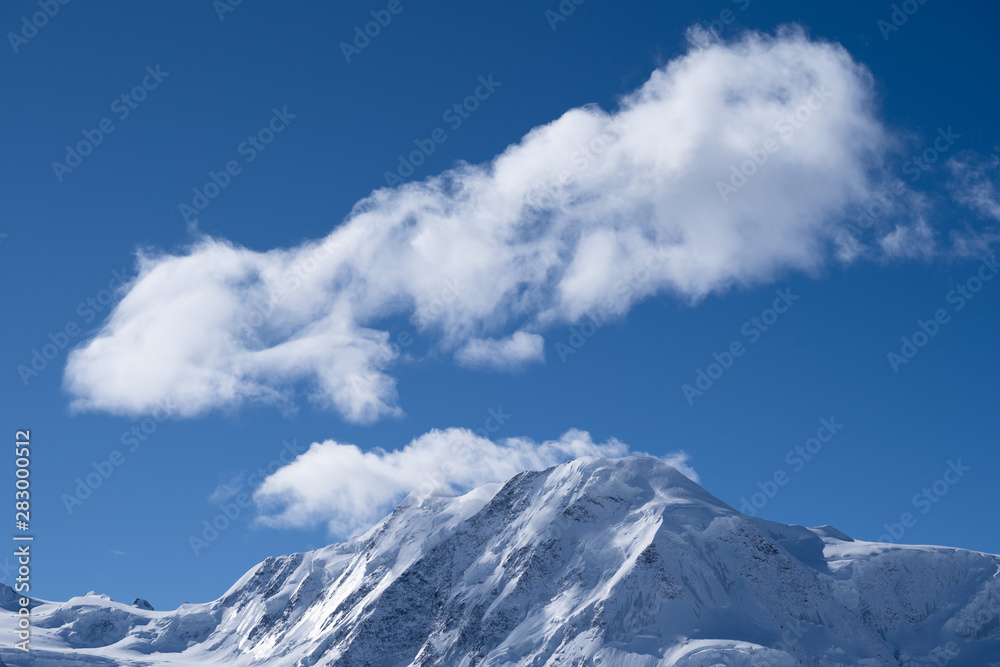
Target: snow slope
(618, 563)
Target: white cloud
(975, 183)
(349, 490)
(592, 212)
(506, 354)
(227, 489)
(909, 241)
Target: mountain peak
(614, 561)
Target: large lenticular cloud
(731, 164)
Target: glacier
(609, 562)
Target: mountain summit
(612, 562)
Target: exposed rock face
(616, 562)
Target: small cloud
(227, 489)
(115, 552)
(974, 184)
(909, 241)
(682, 461)
(976, 244)
(506, 354)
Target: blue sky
(329, 130)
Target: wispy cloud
(975, 183)
(349, 490)
(909, 240)
(227, 489)
(506, 354)
(483, 259)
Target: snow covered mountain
(622, 563)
